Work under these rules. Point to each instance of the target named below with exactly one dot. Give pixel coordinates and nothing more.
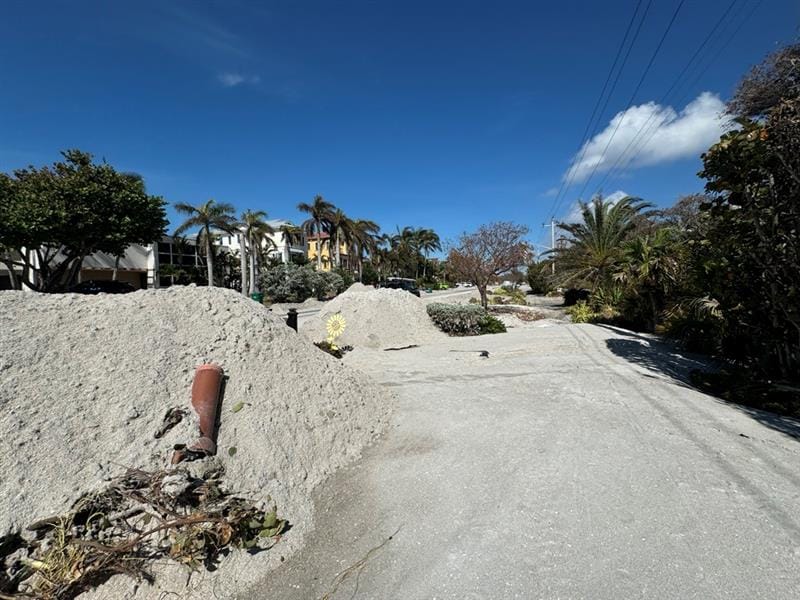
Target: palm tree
(209, 215)
(593, 250)
(319, 212)
(650, 267)
(341, 230)
(256, 232)
(364, 240)
(428, 242)
(289, 233)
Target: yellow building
(314, 242)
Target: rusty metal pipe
(205, 401)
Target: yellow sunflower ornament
(335, 327)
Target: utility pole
(552, 226)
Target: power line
(714, 58)
(633, 95)
(645, 130)
(590, 125)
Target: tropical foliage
(719, 271)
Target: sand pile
(87, 380)
(382, 318)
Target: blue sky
(436, 114)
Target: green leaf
(232, 451)
(237, 407)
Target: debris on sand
(96, 385)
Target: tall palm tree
(593, 250)
(428, 242)
(256, 232)
(365, 240)
(341, 230)
(319, 212)
(207, 216)
(289, 234)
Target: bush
(538, 280)
(582, 313)
(369, 276)
(492, 325)
(347, 277)
(328, 285)
(464, 319)
(289, 283)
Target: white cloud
(668, 135)
(234, 79)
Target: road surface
(573, 462)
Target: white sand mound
(382, 318)
(86, 381)
(359, 287)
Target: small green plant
(492, 325)
(582, 313)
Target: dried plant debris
(141, 517)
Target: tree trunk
(425, 266)
(319, 246)
(253, 255)
(484, 297)
(16, 284)
(243, 263)
(116, 268)
(338, 253)
(209, 259)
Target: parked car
(397, 283)
(102, 287)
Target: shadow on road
(662, 358)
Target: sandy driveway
(570, 463)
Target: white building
(159, 264)
(278, 245)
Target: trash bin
(258, 297)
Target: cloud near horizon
(669, 135)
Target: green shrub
(328, 285)
(464, 319)
(289, 283)
(538, 279)
(492, 325)
(582, 313)
(347, 277)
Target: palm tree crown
(319, 212)
(594, 245)
(207, 216)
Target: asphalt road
(573, 462)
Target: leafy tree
(319, 211)
(538, 278)
(493, 250)
(208, 216)
(52, 217)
